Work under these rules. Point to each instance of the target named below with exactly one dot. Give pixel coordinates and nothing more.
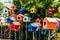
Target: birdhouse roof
(34, 25)
(51, 19)
(26, 17)
(19, 15)
(16, 23)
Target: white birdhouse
(26, 19)
(5, 11)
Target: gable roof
(52, 19)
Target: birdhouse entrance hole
(44, 23)
(18, 17)
(5, 10)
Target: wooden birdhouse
(43, 31)
(50, 23)
(13, 7)
(33, 10)
(11, 13)
(22, 11)
(38, 20)
(58, 22)
(19, 17)
(58, 35)
(59, 9)
(15, 26)
(10, 19)
(26, 19)
(33, 27)
(52, 10)
(5, 11)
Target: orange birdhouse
(50, 23)
(15, 26)
(13, 7)
(11, 13)
(19, 17)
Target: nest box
(38, 20)
(59, 9)
(10, 19)
(33, 10)
(33, 27)
(21, 11)
(43, 31)
(58, 22)
(50, 23)
(52, 10)
(5, 11)
(26, 19)
(19, 17)
(58, 35)
(11, 13)
(13, 7)
(15, 26)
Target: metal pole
(33, 35)
(49, 36)
(26, 31)
(15, 34)
(39, 34)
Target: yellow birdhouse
(58, 35)
(33, 10)
(59, 9)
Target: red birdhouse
(52, 10)
(19, 17)
(50, 23)
(15, 26)
(38, 20)
(13, 7)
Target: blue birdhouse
(33, 27)
(43, 31)
(22, 11)
(10, 20)
(26, 19)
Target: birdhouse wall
(58, 24)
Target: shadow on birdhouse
(11, 13)
(5, 11)
(50, 23)
(33, 10)
(26, 19)
(52, 10)
(19, 17)
(15, 26)
(33, 27)
(21, 11)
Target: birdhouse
(5, 11)
(43, 31)
(50, 23)
(59, 9)
(13, 7)
(33, 27)
(19, 17)
(10, 19)
(58, 35)
(21, 11)
(33, 10)
(15, 26)
(58, 22)
(52, 10)
(11, 13)
(38, 20)
(26, 19)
